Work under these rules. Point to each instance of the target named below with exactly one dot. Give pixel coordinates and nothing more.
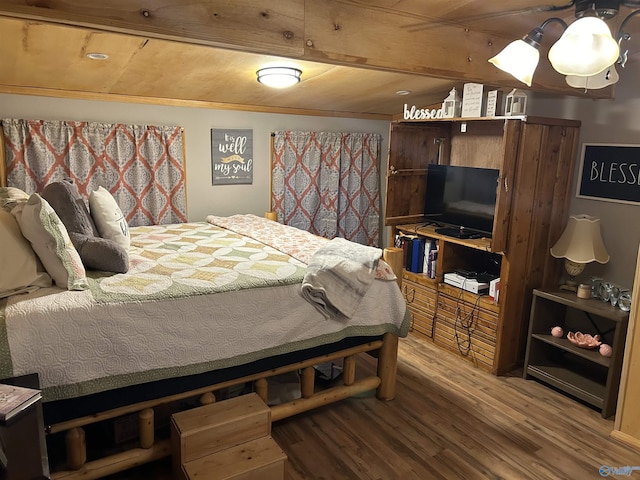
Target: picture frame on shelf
(472, 100)
(494, 103)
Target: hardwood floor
(449, 420)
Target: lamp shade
(279, 77)
(585, 48)
(519, 59)
(581, 241)
(608, 76)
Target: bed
(205, 306)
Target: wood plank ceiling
(355, 54)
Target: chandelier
(586, 53)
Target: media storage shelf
(535, 158)
(582, 373)
(429, 231)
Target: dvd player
(468, 284)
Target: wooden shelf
(570, 382)
(583, 373)
(483, 244)
(564, 344)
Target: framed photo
(231, 156)
(610, 172)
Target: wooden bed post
(146, 426)
(76, 448)
(349, 370)
(387, 366)
(308, 382)
(207, 398)
(262, 389)
(388, 355)
(393, 256)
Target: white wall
(203, 198)
(614, 121)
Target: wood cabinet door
(411, 148)
(506, 185)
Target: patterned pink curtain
(328, 183)
(142, 166)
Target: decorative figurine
(452, 105)
(516, 103)
(605, 350)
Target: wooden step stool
(226, 440)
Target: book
(426, 265)
(14, 399)
(405, 242)
(417, 255)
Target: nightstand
(23, 439)
(582, 373)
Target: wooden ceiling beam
(341, 32)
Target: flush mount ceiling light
(97, 56)
(586, 52)
(279, 77)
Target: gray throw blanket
(338, 276)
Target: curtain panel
(141, 165)
(328, 183)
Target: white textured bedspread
(85, 342)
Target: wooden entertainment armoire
(536, 158)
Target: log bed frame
(384, 383)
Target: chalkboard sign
(231, 156)
(610, 173)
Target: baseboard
(625, 438)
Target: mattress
(198, 297)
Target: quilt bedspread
(171, 261)
(178, 312)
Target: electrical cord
(464, 324)
(421, 225)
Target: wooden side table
(23, 439)
(580, 372)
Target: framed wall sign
(231, 156)
(610, 173)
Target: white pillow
(19, 263)
(11, 196)
(108, 217)
(48, 236)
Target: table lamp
(579, 244)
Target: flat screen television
(462, 197)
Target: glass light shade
(279, 77)
(586, 48)
(581, 241)
(608, 76)
(519, 59)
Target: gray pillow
(96, 253)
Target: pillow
(50, 240)
(96, 253)
(11, 196)
(20, 265)
(108, 217)
(64, 198)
